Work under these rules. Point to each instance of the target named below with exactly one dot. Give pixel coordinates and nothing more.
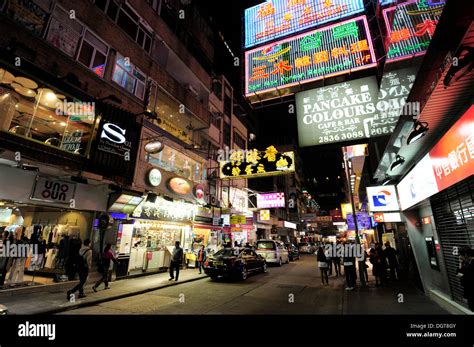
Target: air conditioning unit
(213, 201)
(192, 89)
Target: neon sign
(271, 200)
(412, 29)
(258, 163)
(279, 18)
(332, 50)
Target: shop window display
(48, 241)
(152, 243)
(172, 160)
(43, 114)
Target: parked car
(305, 248)
(234, 262)
(293, 252)
(273, 251)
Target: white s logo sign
(113, 133)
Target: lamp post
(354, 215)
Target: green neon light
(349, 29)
(311, 42)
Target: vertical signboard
(278, 18)
(328, 51)
(452, 157)
(410, 27)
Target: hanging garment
(46, 232)
(16, 271)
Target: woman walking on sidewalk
(104, 267)
(323, 265)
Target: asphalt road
(294, 288)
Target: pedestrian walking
(336, 260)
(105, 263)
(323, 265)
(201, 258)
(379, 269)
(84, 263)
(349, 269)
(390, 254)
(466, 272)
(328, 253)
(365, 267)
(176, 260)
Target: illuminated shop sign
(278, 18)
(388, 217)
(271, 200)
(410, 27)
(53, 190)
(450, 161)
(163, 209)
(264, 215)
(328, 51)
(179, 186)
(340, 112)
(382, 198)
(419, 184)
(452, 158)
(387, 2)
(254, 163)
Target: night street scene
(278, 171)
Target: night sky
(275, 125)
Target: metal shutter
(453, 211)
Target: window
(129, 21)
(46, 115)
(93, 53)
(266, 245)
(172, 160)
(216, 119)
(227, 134)
(64, 33)
(239, 141)
(227, 105)
(129, 77)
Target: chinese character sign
(267, 163)
(453, 156)
(332, 50)
(410, 27)
(279, 18)
(271, 200)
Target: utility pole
(361, 264)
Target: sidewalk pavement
(50, 302)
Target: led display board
(410, 27)
(340, 112)
(278, 18)
(271, 200)
(329, 51)
(255, 163)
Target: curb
(115, 297)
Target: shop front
(145, 240)
(438, 210)
(53, 215)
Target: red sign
(379, 217)
(452, 157)
(426, 220)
